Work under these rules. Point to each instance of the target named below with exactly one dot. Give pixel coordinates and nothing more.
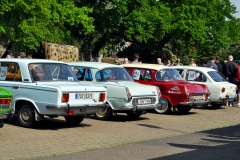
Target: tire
(184, 109)
(74, 120)
(26, 115)
(165, 108)
(134, 115)
(105, 114)
(216, 106)
(1, 123)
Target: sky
(237, 4)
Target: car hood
(73, 86)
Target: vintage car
(43, 88)
(5, 104)
(221, 90)
(176, 92)
(124, 95)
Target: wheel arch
(18, 103)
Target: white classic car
(124, 95)
(48, 88)
(221, 90)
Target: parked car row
(33, 89)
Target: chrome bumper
(4, 116)
(67, 107)
(227, 97)
(140, 107)
(195, 103)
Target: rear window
(216, 76)
(113, 74)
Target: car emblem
(175, 88)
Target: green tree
(27, 23)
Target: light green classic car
(5, 104)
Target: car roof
(146, 66)
(195, 67)
(28, 60)
(97, 65)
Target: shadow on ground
(49, 124)
(218, 144)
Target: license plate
(144, 101)
(83, 96)
(196, 98)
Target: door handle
(15, 87)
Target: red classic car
(176, 92)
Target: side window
(148, 75)
(195, 76)
(136, 74)
(10, 72)
(79, 73)
(181, 72)
(141, 74)
(88, 75)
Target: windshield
(216, 76)
(113, 74)
(51, 72)
(168, 74)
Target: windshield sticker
(136, 74)
(3, 73)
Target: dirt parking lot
(54, 137)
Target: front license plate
(144, 101)
(83, 96)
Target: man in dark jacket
(211, 63)
(219, 66)
(229, 70)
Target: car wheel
(216, 106)
(74, 120)
(184, 109)
(1, 123)
(134, 115)
(105, 114)
(26, 115)
(165, 108)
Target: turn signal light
(5, 101)
(223, 89)
(128, 94)
(102, 97)
(65, 97)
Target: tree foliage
(189, 29)
(27, 23)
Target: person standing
(229, 69)
(178, 63)
(211, 63)
(116, 61)
(159, 61)
(220, 67)
(136, 59)
(168, 63)
(22, 55)
(237, 82)
(125, 61)
(192, 63)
